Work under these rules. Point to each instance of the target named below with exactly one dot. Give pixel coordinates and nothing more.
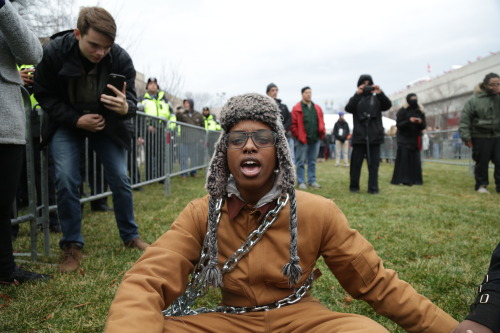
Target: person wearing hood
(410, 121)
(189, 145)
(258, 239)
(479, 128)
(70, 85)
(366, 107)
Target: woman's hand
(469, 326)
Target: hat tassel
(292, 271)
(211, 275)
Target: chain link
(195, 288)
(291, 299)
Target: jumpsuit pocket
(364, 269)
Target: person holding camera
(410, 122)
(366, 107)
(70, 84)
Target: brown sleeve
(160, 275)
(359, 269)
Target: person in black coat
(70, 85)
(410, 122)
(484, 316)
(286, 116)
(366, 107)
(340, 133)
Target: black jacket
(286, 117)
(367, 115)
(486, 309)
(61, 61)
(345, 130)
(408, 133)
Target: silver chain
(291, 299)
(195, 289)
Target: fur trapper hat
(264, 109)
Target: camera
(364, 117)
(368, 89)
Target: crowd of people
(255, 179)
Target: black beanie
(270, 86)
(304, 89)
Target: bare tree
(172, 81)
(51, 16)
(128, 35)
(200, 99)
(445, 101)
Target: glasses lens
(264, 138)
(236, 139)
(494, 84)
(261, 139)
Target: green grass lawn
(438, 236)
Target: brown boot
(137, 243)
(72, 258)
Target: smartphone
(116, 80)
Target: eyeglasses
(494, 84)
(260, 138)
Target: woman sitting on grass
(258, 239)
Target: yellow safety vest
(156, 106)
(211, 124)
(34, 103)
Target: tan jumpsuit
(160, 276)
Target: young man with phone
(69, 84)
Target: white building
(443, 96)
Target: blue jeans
(67, 146)
(306, 153)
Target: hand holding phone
(117, 81)
(114, 97)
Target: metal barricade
(161, 149)
(31, 215)
(443, 146)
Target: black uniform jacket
(486, 309)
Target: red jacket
(298, 129)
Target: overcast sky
(233, 47)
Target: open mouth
(250, 167)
